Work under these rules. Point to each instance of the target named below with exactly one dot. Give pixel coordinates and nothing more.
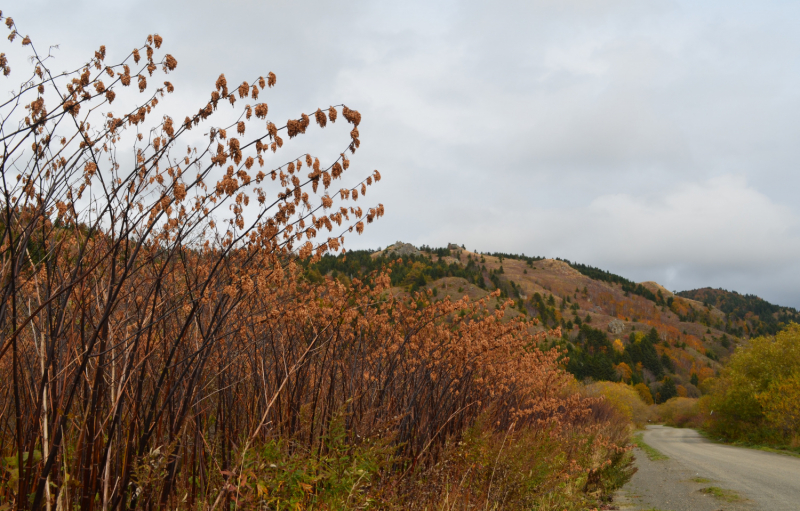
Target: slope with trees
(745, 314)
(611, 328)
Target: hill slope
(745, 314)
(612, 328)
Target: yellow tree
(644, 392)
(781, 405)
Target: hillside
(745, 314)
(612, 328)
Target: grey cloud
(655, 139)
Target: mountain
(611, 327)
(745, 314)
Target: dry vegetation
(162, 349)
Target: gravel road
(747, 479)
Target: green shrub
(334, 476)
(551, 468)
(752, 398)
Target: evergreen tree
(593, 356)
(667, 391)
(643, 350)
(667, 363)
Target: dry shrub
(154, 325)
(624, 399)
(560, 467)
(163, 349)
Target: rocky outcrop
(402, 249)
(616, 327)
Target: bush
(755, 397)
(624, 399)
(170, 352)
(781, 405)
(680, 412)
(644, 393)
(488, 469)
(335, 475)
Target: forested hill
(612, 328)
(747, 312)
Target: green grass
(653, 454)
(722, 494)
(701, 480)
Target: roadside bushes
(552, 468)
(781, 405)
(681, 412)
(757, 396)
(624, 399)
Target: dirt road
(700, 475)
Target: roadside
(680, 470)
(758, 447)
(665, 484)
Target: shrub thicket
(757, 396)
(163, 344)
(625, 399)
(680, 412)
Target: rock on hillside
(399, 249)
(616, 327)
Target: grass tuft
(653, 454)
(722, 494)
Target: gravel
(700, 475)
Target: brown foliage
(156, 329)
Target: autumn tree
(754, 398)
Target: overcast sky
(657, 139)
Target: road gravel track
(765, 481)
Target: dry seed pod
(320, 118)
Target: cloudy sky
(659, 140)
